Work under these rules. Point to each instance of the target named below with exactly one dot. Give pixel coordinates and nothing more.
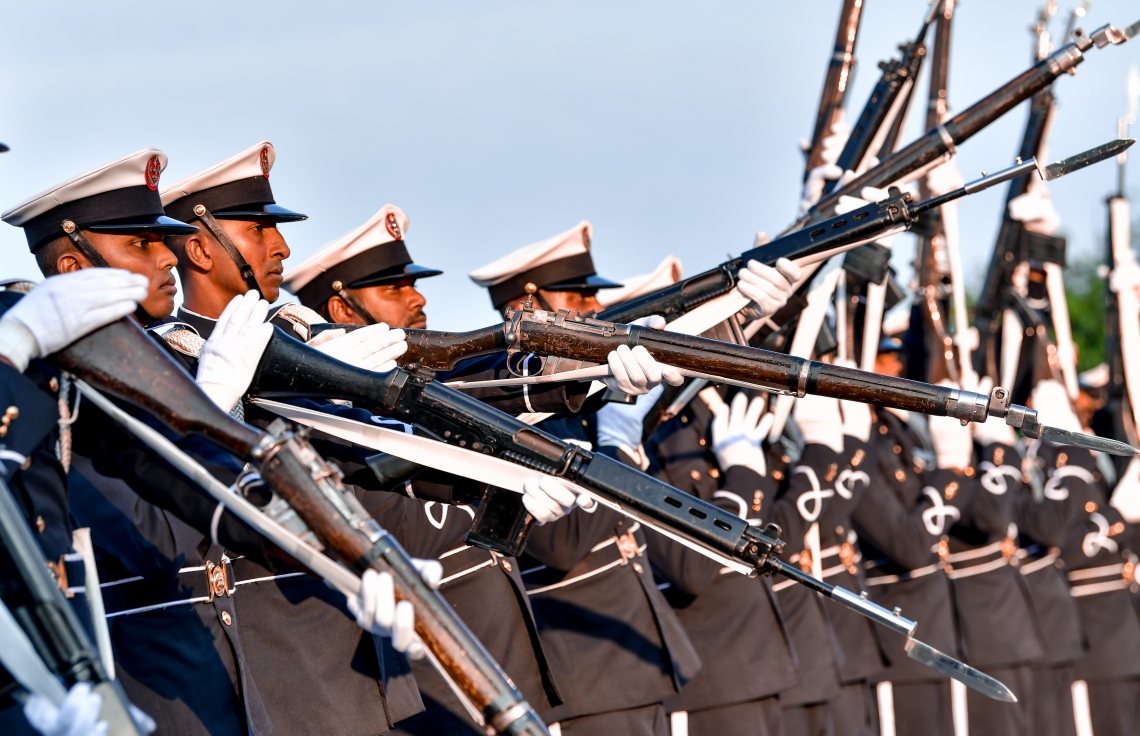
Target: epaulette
(179, 335)
(300, 318)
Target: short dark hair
(47, 255)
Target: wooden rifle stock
(839, 72)
(122, 361)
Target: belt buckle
(806, 560)
(847, 557)
(628, 547)
(1009, 550)
(217, 580)
(59, 572)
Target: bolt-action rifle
(122, 361)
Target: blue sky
(672, 126)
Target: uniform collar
(204, 325)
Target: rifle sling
(219, 234)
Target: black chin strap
(215, 229)
(88, 250)
(354, 303)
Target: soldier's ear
(196, 254)
(341, 313)
(71, 262)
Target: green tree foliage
(1084, 293)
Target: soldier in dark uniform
(1044, 513)
(163, 610)
(368, 277)
(991, 600)
(1099, 556)
(734, 622)
(901, 520)
(614, 642)
(54, 313)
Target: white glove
(621, 425)
(813, 187)
(767, 288)
(944, 179)
(230, 357)
(830, 147)
(1126, 495)
(78, 715)
(378, 613)
(548, 500)
(636, 372)
(1035, 209)
(1125, 277)
(856, 416)
(993, 430)
(868, 195)
(953, 445)
(738, 429)
(61, 309)
(819, 420)
(1051, 401)
(373, 348)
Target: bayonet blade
(1088, 158)
(963, 673)
(1087, 441)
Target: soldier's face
(579, 302)
(262, 247)
(888, 364)
(396, 305)
(142, 253)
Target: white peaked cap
(372, 254)
(573, 242)
(238, 186)
(257, 160)
(124, 191)
(667, 272)
(562, 262)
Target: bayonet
(1088, 158)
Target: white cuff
(17, 343)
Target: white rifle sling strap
(811, 320)
(1127, 299)
(1066, 353)
(93, 593)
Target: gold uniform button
(637, 567)
(702, 442)
(898, 449)
(777, 475)
(883, 429)
(900, 476)
(53, 384)
(695, 474)
(40, 526)
(506, 565)
(12, 414)
(226, 618)
(1090, 506)
(951, 491)
(714, 473)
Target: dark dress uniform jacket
(602, 619)
(900, 527)
(1101, 568)
(733, 621)
(1044, 524)
(484, 588)
(315, 669)
(991, 599)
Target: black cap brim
(584, 283)
(274, 212)
(161, 223)
(395, 275)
